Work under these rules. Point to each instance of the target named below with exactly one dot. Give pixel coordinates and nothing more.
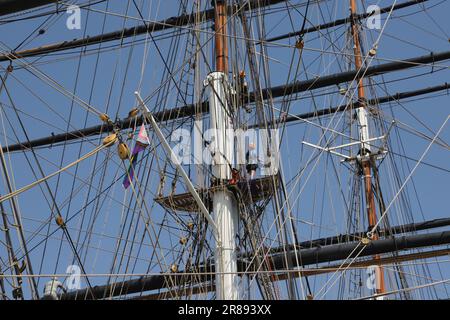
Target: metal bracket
(380, 153)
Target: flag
(141, 143)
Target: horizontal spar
(12, 6)
(126, 123)
(170, 23)
(283, 275)
(335, 79)
(412, 227)
(356, 104)
(306, 257)
(342, 251)
(141, 284)
(166, 24)
(190, 110)
(343, 21)
(419, 226)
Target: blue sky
(119, 73)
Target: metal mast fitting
(225, 209)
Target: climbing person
(251, 158)
(51, 289)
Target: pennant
(141, 143)
(143, 136)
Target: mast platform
(250, 191)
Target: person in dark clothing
(251, 158)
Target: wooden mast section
(364, 135)
(220, 29)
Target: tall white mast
(225, 209)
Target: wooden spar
(406, 228)
(12, 6)
(385, 261)
(380, 261)
(170, 23)
(162, 25)
(376, 247)
(183, 292)
(334, 79)
(363, 123)
(278, 91)
(356, 104)
(310, 256)
(340, 22)
(204, 288)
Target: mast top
(220, 29)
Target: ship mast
(364, 135)
(286, 261)
(225, 209)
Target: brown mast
(366, 163)
(220, 29)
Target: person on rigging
(251, 158)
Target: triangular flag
(143, 136)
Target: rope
(31, 185)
